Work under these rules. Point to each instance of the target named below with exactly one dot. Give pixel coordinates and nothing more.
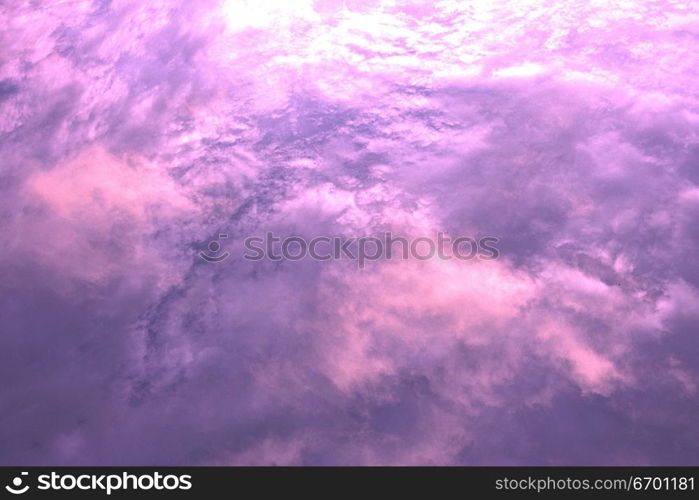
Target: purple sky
(132, 133)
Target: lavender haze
(133, 133)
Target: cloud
(134, 134)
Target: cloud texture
(133, 133)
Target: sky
(133, 134)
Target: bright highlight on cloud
(133, 134)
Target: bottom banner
(432, 482)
